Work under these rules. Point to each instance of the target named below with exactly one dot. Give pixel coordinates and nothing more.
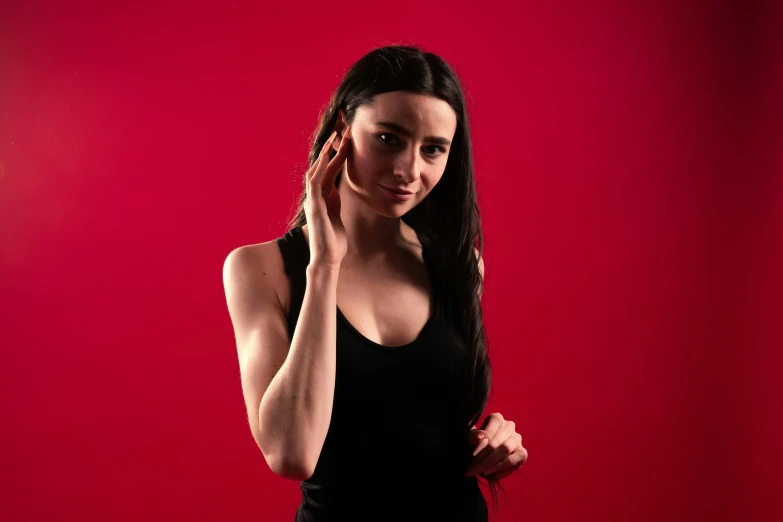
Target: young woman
(361, 346)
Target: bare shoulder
(257, 266)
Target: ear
(342, 124)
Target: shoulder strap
(296, 257)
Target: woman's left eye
(436, 152)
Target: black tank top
(395, 449)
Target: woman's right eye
(380, 137)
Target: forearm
(296, 409)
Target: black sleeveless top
(395, 449)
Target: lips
(396, 196)
(398, 191)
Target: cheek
(366, 165)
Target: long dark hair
(447, 221)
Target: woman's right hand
(328, 241)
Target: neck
(370, 235)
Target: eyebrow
(402, 130)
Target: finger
(336, 163)
(481, 445)
(327, 163)
(497, 456)
(495, 453)
(317, 164)
(314, 190)
(502, 464)
(493, 440)
(492, 423)
(501, 436)
(514, 460)
(475, 435)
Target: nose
(407, 169)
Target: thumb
(475, 435)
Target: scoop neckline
(364, 338)
(382, 347)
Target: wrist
(323, 272)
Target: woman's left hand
(498, 448)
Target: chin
(392, 215)
(389, 211)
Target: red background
(629, 174)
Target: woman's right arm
(288, 386)
(289, 390)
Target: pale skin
(375, 253)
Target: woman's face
(400, 142)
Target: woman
(360, 338)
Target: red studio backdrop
(629, 174)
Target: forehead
(422, 113)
